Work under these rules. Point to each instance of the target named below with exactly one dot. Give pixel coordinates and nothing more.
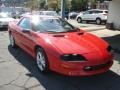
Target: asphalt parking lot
(18, 71)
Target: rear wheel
(87, 22)
(79, 20)
(98, 21)
(42, 61)
(12, 41)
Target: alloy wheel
(41, 60)
(79, 20)
(98, 21)
(12, 41)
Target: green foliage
(33, 4)
(76, 5)
(54, 4)
(79, 5)
(42, 5)
(101, 1)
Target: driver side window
(25, 23)
(88, 12)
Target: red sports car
(58, 46)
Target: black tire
(79, 20)
(42, 60)
(98, 21)
(12, 41)
(105, 22)
(87, 22)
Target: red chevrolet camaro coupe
(58, 46)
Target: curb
(93, 29)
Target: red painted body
(93, 48)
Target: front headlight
(110, 49)
(73, 57)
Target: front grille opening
(96, 67)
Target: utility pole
(46, 2)
(38, 5)
(63, 9)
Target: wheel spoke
(41, 61)
(98, 21)
(11, 40)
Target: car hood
(6, 19)
(81, 43)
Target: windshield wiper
(52, 32)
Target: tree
(54, 4)
(32, 4)
(101, 1)
(93, 3)
(69, 5)
(79, 5)
(42, 5)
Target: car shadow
(54, 81)
(114, 42)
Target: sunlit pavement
(89, 27)
(18, 71)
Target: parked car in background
(47, 13)
(13, 14)
(17, 14)
(24, 14)
(96, 15)
(5, 18)
(58, 46)
(72, 15)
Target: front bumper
(3, 24)
(95, 65)
(81, 71)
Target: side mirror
(26, 31)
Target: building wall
(114, 13)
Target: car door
(15, 30)
(92, 15)
(88, 15)
(98, 14)
(27, 40)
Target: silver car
(46, 13)
(5, 18)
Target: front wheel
(42, 61)
(12, 41)
(98, 21)
(79, 20)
